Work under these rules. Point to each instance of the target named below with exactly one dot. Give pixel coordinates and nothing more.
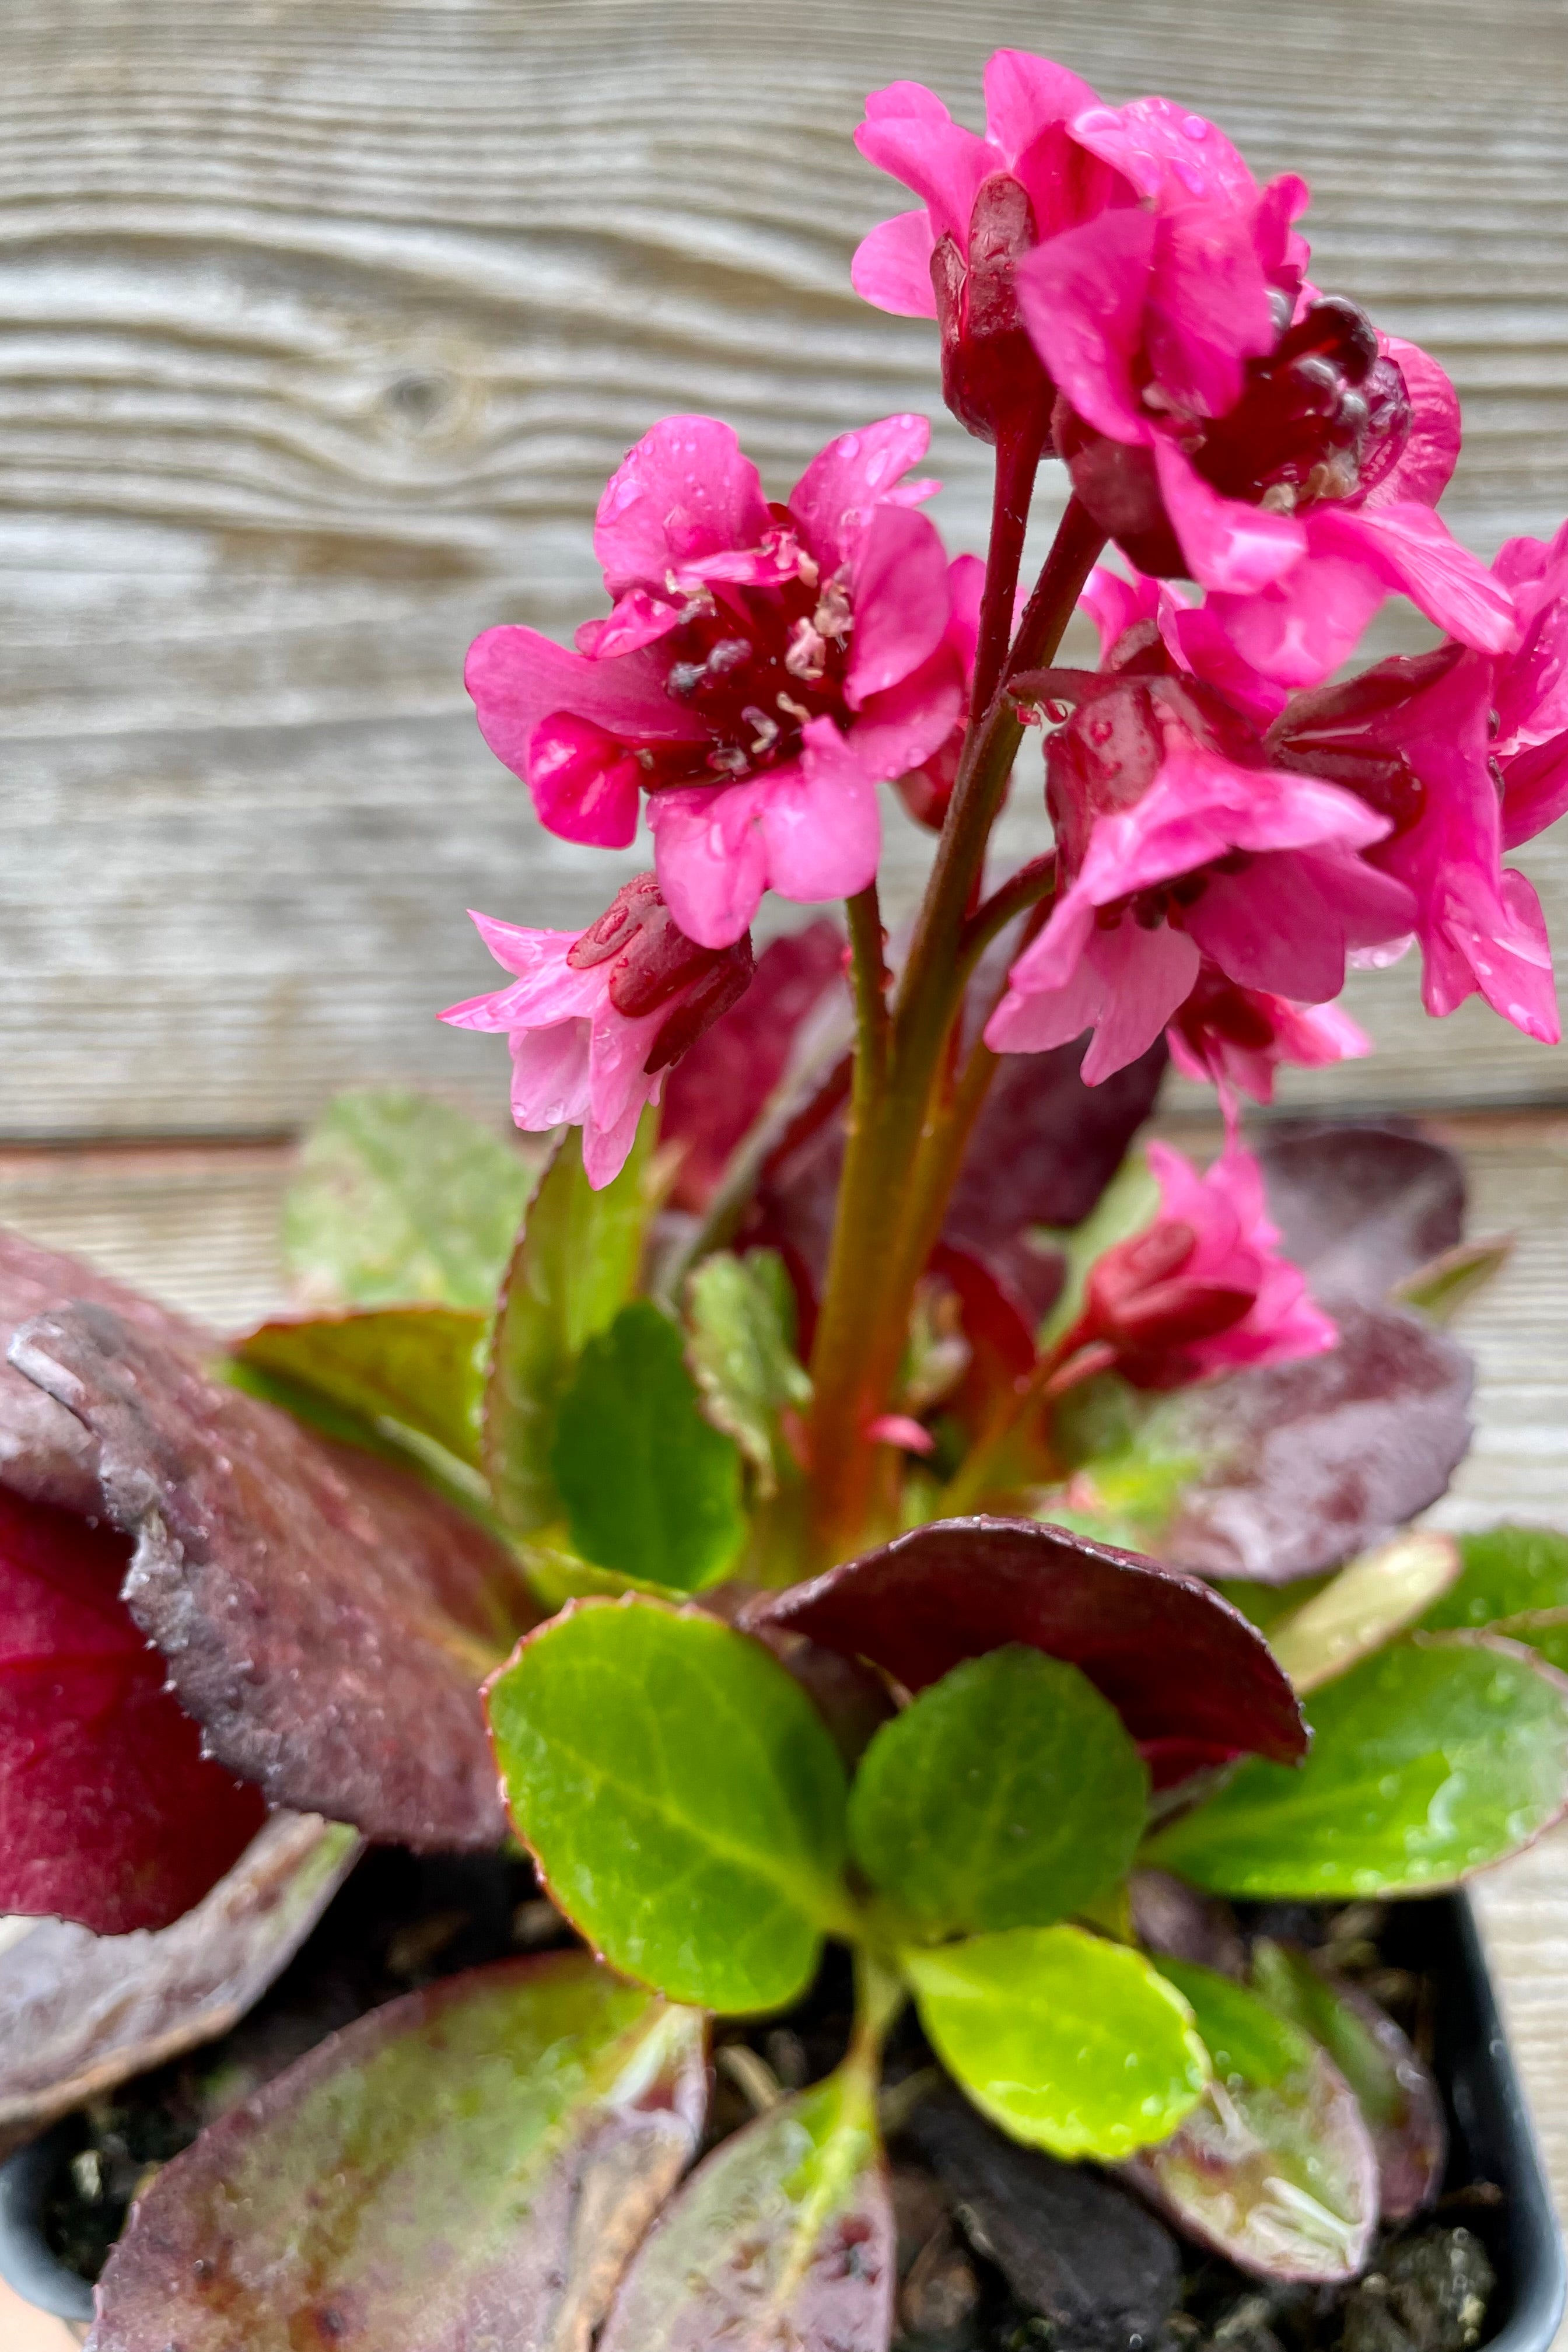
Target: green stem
(869, 969)
(1061, 1367)
(1022, 891)
(884, 1225)
(880, 1993)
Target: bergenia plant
(877, 1537)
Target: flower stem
(870, 972)
(1017, 463)
(901, 1162)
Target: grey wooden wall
(321, 324)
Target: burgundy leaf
(715, 1091)
(80, 2012)
(1359, 1208)
(325, 1617)
(109, 1815)
(45, 1451)
(472, 2165)
(1306, 1464)
(1177, 1662)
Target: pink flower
(984, 203)
(926, 791)
(761, 670)
(1179, 845)
(1202, 1291)
(1411, 738)
(1236, 1038)
(1529, 690)
(595, 1017)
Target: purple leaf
(471, 2165)
(1179, 1662)
(783, 2237)
(1360, 1208)
(80, 2012)
(1305, 1463)
(326, 1618)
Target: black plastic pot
(1490, 2134)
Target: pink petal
(1082, 297)
(617, 1082)
(1228, 545)
(900, 1429)
(1166, 150)
(891, 268)
(1115, 605)
(1125, 984)
(1427, 460)
(900, 730)
(1284, 924)
(929, 153)
(1023, 93)
(1493, 939)
(586, 785)
(820, 821)
(1282, 254)
(1296, 631)
(605, 1149)
(683, 492)
(1198, 638)
(1065, 183)
(709, 858)
(902, 601)
(640, 618)
(845, 484)
(517, 678)
(1208, 306)
(1535, 791)
(1406, 545)
(550, 1076)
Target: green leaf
(1513, 1580)
(783, 2236)
(1274, 2167)
(742, 1348)
(496, 2143)
(1129, 1203)
(1369, 1602)
(1429, 1760)
(573, 1268)
(1069, 2043)
(1128, 1476)
(400, 1197)
(682, 1796)
(420, 1368)
(1445, 1283)
(650, 1486)
(1008, 1795)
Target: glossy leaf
(419, 1368)
(1071, 2043)
(494, 2144)
(314, 1603)
(573, 1268)
(649, 1486)
(46, 1453)
(1514, 1580)
(1175, 1661)
(681, 1796)
(1306, 1464)
(1365, 1605)
(742, 1348)
(1361, 1208)
(782, 2236)
(1274, 2167)
(1428, 1761)
(398, 1197)
(718, 1089)
(110, 1814)
(1005, 1796)
(1399, 2100)
(81, 2012)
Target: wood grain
(321, 326)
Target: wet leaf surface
(419, 1367)
(1361, 1208)
(312, 1601)
(783, 2236)
(494, 2144)
(572, 1269)
(1515, 1580)
(1399, 2100)
(398, 1197)
(742, 1348)
(650, 1487)
(1005, 1796)
(1365, 1605)
(1067, 2042)
(80, 2012)
(1429, 1760)
(108, 1813)
(45, 1451)
(1175, 1661)
(1306, 1464)
(683, 1799)
(1274, 2167)
(1073, 2246)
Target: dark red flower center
(754, 664)
(1322, 417)
(652, 963)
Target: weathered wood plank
(321, 325)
